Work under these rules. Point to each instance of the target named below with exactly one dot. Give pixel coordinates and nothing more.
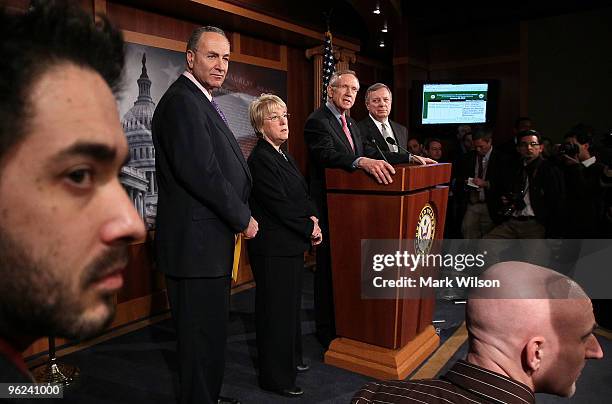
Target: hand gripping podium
(381, 338)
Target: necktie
(480, 167)
(283, 154)
(214, 104)
(386, 134)
(347, 132)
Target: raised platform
(379, 362)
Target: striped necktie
(214, 104)
(347, 132)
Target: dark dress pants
(278, 302)
(200, 310)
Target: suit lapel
(228, 135)
(288, 165)
(219, 123)
(355, 135)
(400, 135)
(375, 133)
(333, 122)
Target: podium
(381, 338)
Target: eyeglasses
(527, 144)
(348, 88)
(275, 118)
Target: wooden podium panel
(360, 208)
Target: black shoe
(302, 367)
(227, 400)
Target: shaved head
(536, 328)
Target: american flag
(328, 65)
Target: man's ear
(190, 55)
(533, 354)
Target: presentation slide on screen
(454, 103)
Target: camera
(512, 202)
(569, 149)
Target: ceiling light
(384, 28)
(381, 43)
(377, 9)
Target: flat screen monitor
(454, 103)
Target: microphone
(392, 141)
(373, 141)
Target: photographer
(583, 173)
(534, 195)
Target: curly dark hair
(48, 34)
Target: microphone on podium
(392, 141)
(373, 141)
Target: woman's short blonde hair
(261, 107)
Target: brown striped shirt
(463, 383)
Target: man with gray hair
(334, 141)
(531, 335)
(378, 130)
(204, 187)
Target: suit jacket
(328, 148)
(496, 175)
(204, 184)
(280, 203)
(546, 193)
(368, 128)
(585, 200)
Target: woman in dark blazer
(287, 227)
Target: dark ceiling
(354, 20)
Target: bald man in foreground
(531, 335)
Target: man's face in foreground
(66, 220)
(573, 342)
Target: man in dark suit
(533, 196)
(204, 186)
(377, 128)
(479, 197)
(334, 141)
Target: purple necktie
(214, 104)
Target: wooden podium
(381, 338)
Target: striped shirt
(463, 383)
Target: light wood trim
(266, 19)
(437, 361)
(257, 61)
(102, 338)
(604, 333)
(126, 312)
(99, 7)
(263, 62)
(179, 46)
(475, 62)
(152, 40)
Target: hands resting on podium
(420, 160)
(382, 171)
